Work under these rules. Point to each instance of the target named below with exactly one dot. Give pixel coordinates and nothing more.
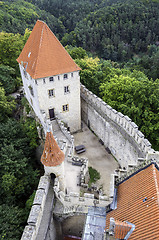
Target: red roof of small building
(52, 154)
(43, 55)
(138, 203)
(121, 229)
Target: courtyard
(98, 157)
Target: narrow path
(42, 232)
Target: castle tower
(53, 159)
(50, 77)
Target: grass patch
(94, 175)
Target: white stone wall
(117, 131)
(73, 116)
(59, 172)
(41, 102)
(33, 100)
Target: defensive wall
(36, 212)
(116, 131)
(119, 134)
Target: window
(25, 74)
(66, 89)
(58, 77)
(31, 90)
(65, 108)
(44, 80)
(71, 74)
(51, 93)
(51, 79)
(65, 76)
(36, 82)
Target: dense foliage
(18, 139)
(119, 31)
(17, 15)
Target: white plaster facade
(59, 172)
(66, 91)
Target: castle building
(51, 78)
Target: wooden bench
(80, 149)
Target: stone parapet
(36, 212)
(111, 115)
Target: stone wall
(36, 212)
(118, 133)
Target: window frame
(51, 93)
(67, 88)
(65, 107)
(65, 76)
(51, 79)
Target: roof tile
(52, 154)
(137, 202)
(43, 55)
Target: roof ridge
(39, 47)
(155, 181)
(48, 56)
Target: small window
(25, 74)
(44, 80)
(65, 76)
(51, 79)
(31, 90)
(58, 77)
(65, 108)
(36, 82)
(51, 93)
(71, 74)
(66, 89)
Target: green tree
(12, 220)
(133, 94)
(6, 105)
(8, 79)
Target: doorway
(52, 114)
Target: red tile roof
(43, 55)
(52, 154)
(121, 229)
(138, 203)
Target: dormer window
(65, 76)
(51, 79)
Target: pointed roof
(43, 55)
(52, 154)
(138, 203)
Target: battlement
(121, 120)
(37, 210)
(117, 132)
